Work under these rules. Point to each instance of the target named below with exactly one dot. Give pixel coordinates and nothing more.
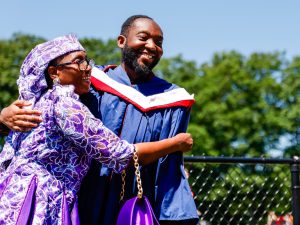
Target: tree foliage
(12, 54)
(244, 105)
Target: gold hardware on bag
(138, 178)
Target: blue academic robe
(164, 182)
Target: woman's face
(74, 69)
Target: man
(150, 109)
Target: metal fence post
(295, 193)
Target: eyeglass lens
(83, 64)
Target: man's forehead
(145, 25)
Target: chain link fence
(232, 191)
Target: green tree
(102, 52)
(240, 102)
(291, 106)
(12, 53)
(244, 105)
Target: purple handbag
(137, 210)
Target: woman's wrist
(175, 143)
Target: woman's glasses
(82, 64)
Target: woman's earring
(56, 81)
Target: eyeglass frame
(90, 62)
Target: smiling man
(150, 109)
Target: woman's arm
(149, 152)
(89, 134)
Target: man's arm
(14, 117)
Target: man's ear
(121, 41)
(52, 71)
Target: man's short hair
(128, 23)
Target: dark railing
(238, 190)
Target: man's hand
(18, 119)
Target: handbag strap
(138, 178)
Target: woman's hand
(184, 141)
(149, 152)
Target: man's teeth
(85, 78)
(148, 56)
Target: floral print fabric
(40, 184)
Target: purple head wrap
(32, 81)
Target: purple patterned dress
(41, 182)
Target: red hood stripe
(101, 86)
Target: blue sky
(194, 28)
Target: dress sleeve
(90, 135)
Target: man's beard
(130, 58)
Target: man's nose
(151, 44)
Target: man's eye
(159, 43)
(142, 37)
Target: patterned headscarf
(32, 81)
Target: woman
(46, 165)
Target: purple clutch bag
(137, 211)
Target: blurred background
(195, 28)
(241, 59)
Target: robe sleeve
(89, 134)
(175, 122)
(173, 195)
